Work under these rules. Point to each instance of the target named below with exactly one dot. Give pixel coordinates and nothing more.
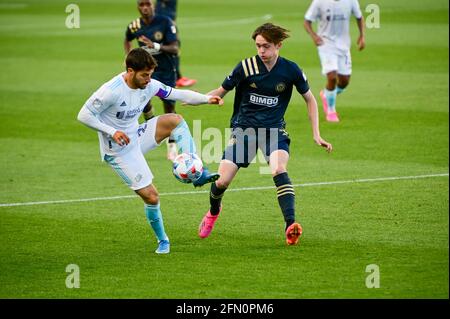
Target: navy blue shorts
(244, 144)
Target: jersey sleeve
(101, 100)
(133, 27)
(356, 10)
(300, 80)
(156, 88)
(170, 32)
(313, 13)
(167, 92)
(235, 77)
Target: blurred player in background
(333, 44)
(114, 109)
(158, 35)
(264, 85)
(169, 8)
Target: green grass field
(394, 124)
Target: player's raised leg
(286, 195)
(176, 128)
(152, 209)
(227, 171)
(169, 107)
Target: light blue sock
(154, 217)
(339, 90)
(183, 138)
(331, 99)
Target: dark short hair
(139, 59)
(271, 33)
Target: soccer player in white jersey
(333, 44)
(114, 109)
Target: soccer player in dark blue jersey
(264, 85)
(158, 35)
(169, 8)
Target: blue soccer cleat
(163, 247)
(205, 178)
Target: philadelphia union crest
(158, 36)
(280, 87)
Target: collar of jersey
(261, 63)
(125, 83)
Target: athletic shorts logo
(120, 115)
(269, 101)
(141, 129)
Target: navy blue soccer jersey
(167, 8)
(161, 30)
(262, 97)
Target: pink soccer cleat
(324, 102)
(207, 224)
(293, 233)
(332, 117)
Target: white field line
(242, 189)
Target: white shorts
(132, 166)
(333, 59)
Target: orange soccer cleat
(293, 233)
(185, 82)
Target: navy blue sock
(215, 198)
(286, 197)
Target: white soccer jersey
(115, 106)
(334, 20)
(118, 107)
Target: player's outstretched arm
(194, 98)
(220, 91)
(313, 114)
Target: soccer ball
(187, 167)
